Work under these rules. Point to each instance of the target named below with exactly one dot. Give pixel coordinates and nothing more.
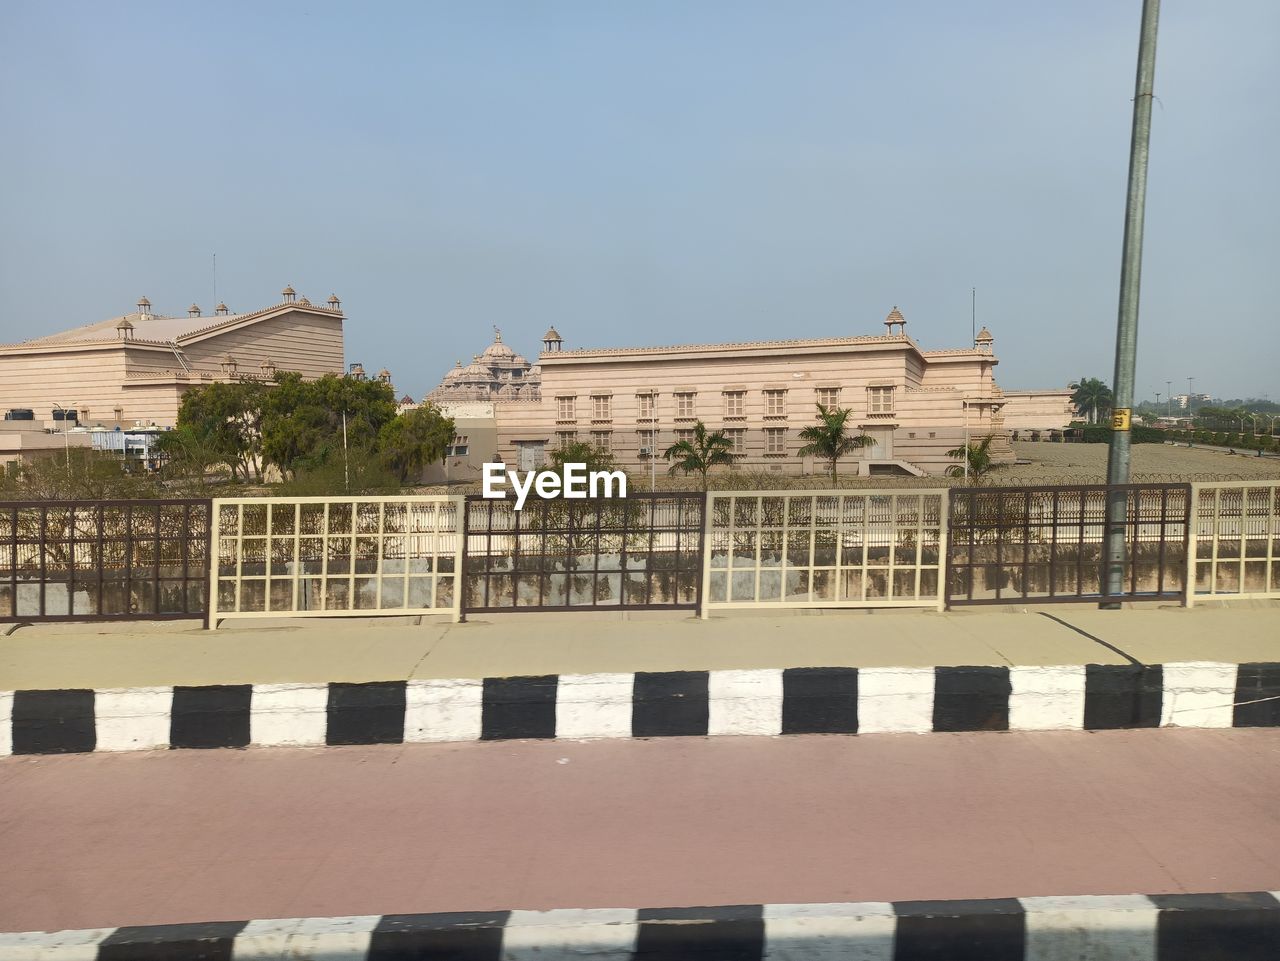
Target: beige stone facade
(914, 404)
(135, 368)
(1043, 410)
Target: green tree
(414, 439)
(829, 439)
(978, 455)
(76, 474)
(579, 452)
(225, 420)
(699, 454)
(302, 421)
(1092, 399)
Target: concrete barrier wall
(1170, 927)
(836, 700)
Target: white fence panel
(832, 548)
(1235, 530)
(335, 556)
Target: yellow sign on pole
(1120, 418)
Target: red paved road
(183, 836)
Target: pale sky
(651, 173)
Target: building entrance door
(881, 446)
(532, 454)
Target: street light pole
(1127, 315)
(1168, 397)
(66, 441)
(653, 442)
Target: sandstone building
(135, 368)
(913, 404)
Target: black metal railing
(1041, 544)
(102, 560)
(642, 552)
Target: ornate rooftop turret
(895, 319)
(288, 294)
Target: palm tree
(828, 439)
(978, 455)
(1092, 398)
(700, 453)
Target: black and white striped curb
(834, 700)
(1170, 927)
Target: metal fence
(1042, 544)
(641, 552)
(335, 556)
(437, 554)
(834, 548)
(1236, 527)
(102, 560)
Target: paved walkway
(188, 836)
(93, 656)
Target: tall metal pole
(1127, 319)
(346, 473)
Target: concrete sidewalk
(49, 657)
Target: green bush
(1101, 434)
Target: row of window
(879, 401)
(775, 440)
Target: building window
(775, 403)
(602, 440)
(648, 441)
(565, 408)
(880, 400)
(775, 440)
(684, 405)
(645, 403)
(119, 413)
(601, 407)
(566, 437)
(684, 435)
(459, 447)
(829, 397)
(737, 440)
(734, 401)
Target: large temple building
(133, 369)
(497, 374)
(912, 405)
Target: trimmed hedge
(1101, 434)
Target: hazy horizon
(649, 175)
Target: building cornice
(825, 345)
(221, 325)
(240, 320)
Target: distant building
(474, 443)
(1038, 410)
(133, 369)
(498, 374)
(1185, 400)
(913, 404)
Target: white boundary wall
(335, 556)
(825, 548)
(1235, 541)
